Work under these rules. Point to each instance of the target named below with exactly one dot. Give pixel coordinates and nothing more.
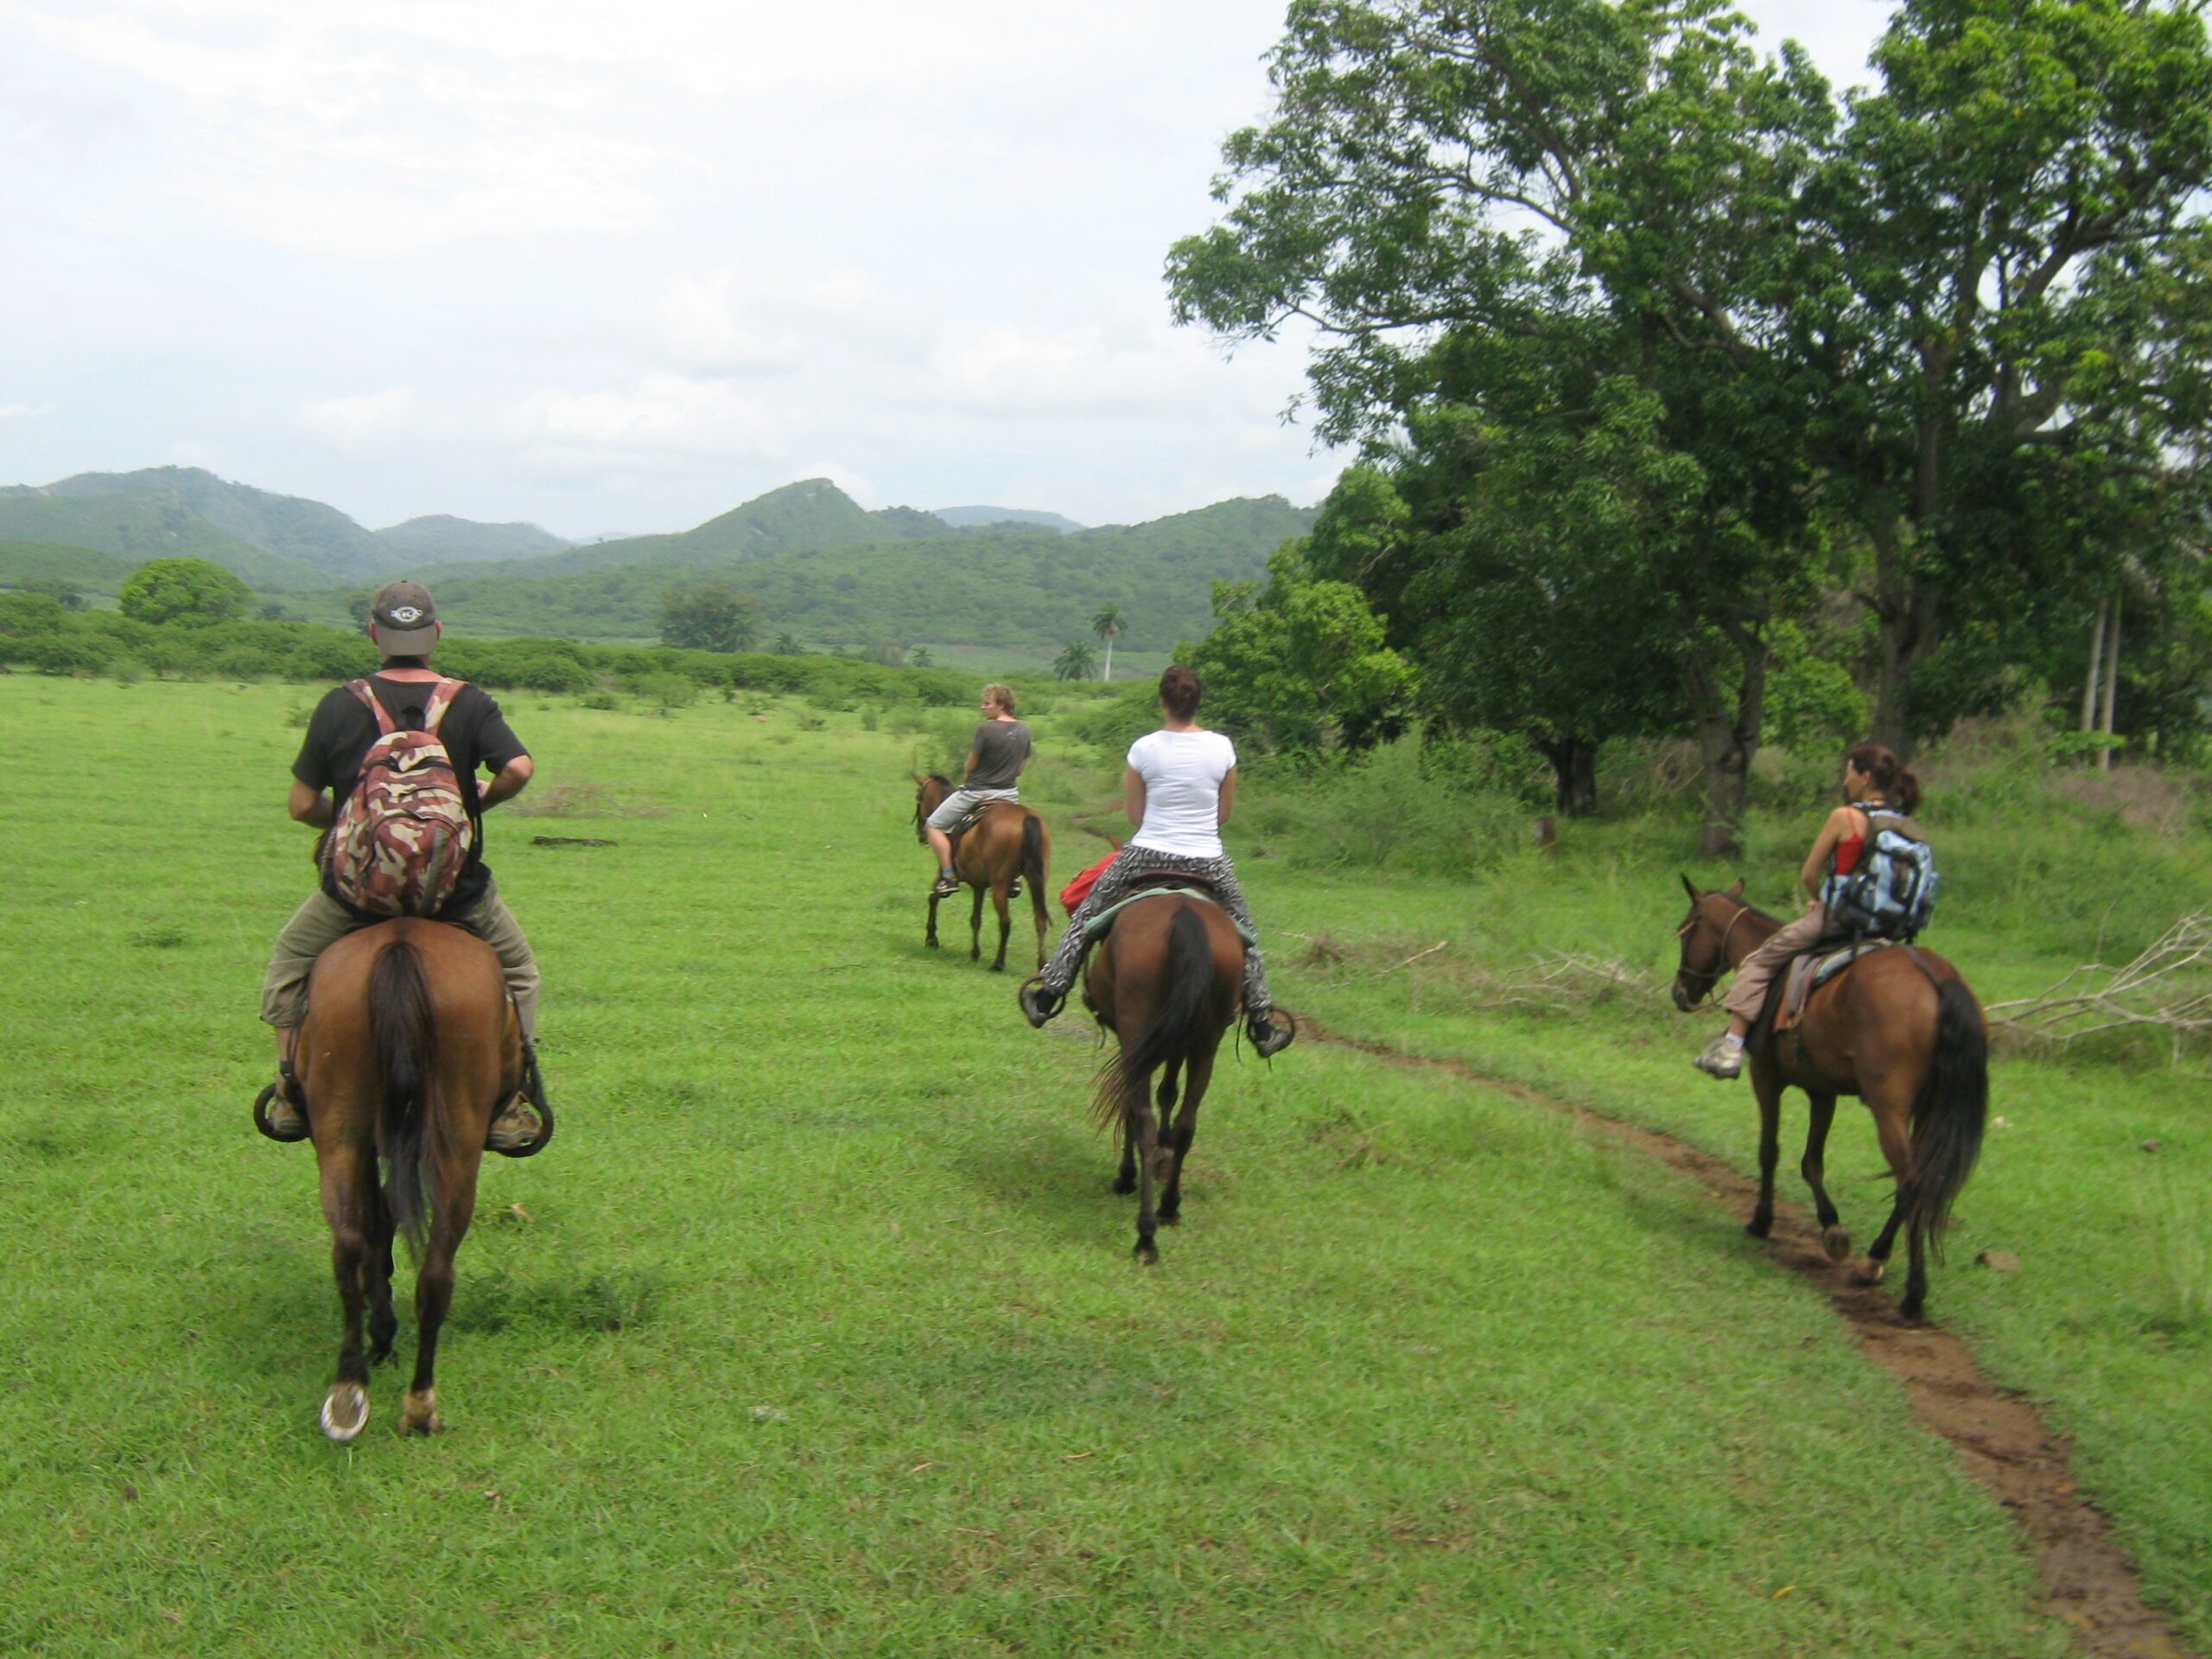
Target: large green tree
(1299, 662)
(1534, 573)
(710, 616)
(192, 592)
(1904, 310)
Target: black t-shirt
(473, 731)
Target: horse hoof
(1759, 1226)
(1163, 1166)
(1171, 1217)
(345, 1410)
(1125, 1185)
(1146, 1253)
(1871, 1274)
(1837, 1243)
(420, 1414)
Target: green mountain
(441, 539)
(811, 514)
(138, 527)
(89, 568)
(283, 543)
(962, 517)
(1034, 587)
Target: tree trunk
(1904, 609)
(2112, 684)
(2097, 662)
(1574, 774)
(1728, 723)
(1107, 673)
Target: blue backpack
(1891, 892)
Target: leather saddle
(1810, 970)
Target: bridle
(1743, 909)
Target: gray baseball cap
(404, 620)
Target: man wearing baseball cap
(404, 623)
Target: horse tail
(1032, 860)
(1948, 1118)
(1182, 1013)
(403, 1028)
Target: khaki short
(323, 921)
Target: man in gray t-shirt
(995, 761)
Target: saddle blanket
(1097, 927)
(1812, 971)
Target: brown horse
(410, 1045)
(1898, 1028)
(1166, 981)
(1006, 841)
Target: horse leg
(455, 1203)
(1136, 1106)
(930, 939)
(1043, 918)
(1768, 1087)
(1892, 1110)
(377, 1266)
(976, 929)
(1198, 1072)
(1125, 1181)
(348, 1203)
(1006, 925)
(1164, 1160)
(1834, 1239)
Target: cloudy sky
(618, 264)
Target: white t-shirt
(1182, 773)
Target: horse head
(928, 795)
(1704, 934)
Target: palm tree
(1108, 625)
(1074, 661)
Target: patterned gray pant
(1113, 886)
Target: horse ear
(1737, 892)
(919, 779)
(1690, 887)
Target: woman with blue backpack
(1868, 874)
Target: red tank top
(1848, 851)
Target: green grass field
(818, 1330)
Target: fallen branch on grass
(2151, 990)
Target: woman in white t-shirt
(1177, 788)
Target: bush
(1385, 811)
(66, 653)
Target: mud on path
(2000, 1437)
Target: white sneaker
(1722, 1058)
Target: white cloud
(362, 425)
(627, 264)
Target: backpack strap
(441, 700)
(366, 693)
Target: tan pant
(323, 921)
(1748, 994)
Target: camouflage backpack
(404, 836)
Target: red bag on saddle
(1079, 889)
(402, 837)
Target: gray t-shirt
(1001, 746)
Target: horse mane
(1745, 904)
(939, 778)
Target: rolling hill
(270, 540)
(1023, 586)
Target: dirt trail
(2001, 1438)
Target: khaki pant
(323, 921)
(1748, 994)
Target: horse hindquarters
(1947, 1121)
(1179, 1021)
